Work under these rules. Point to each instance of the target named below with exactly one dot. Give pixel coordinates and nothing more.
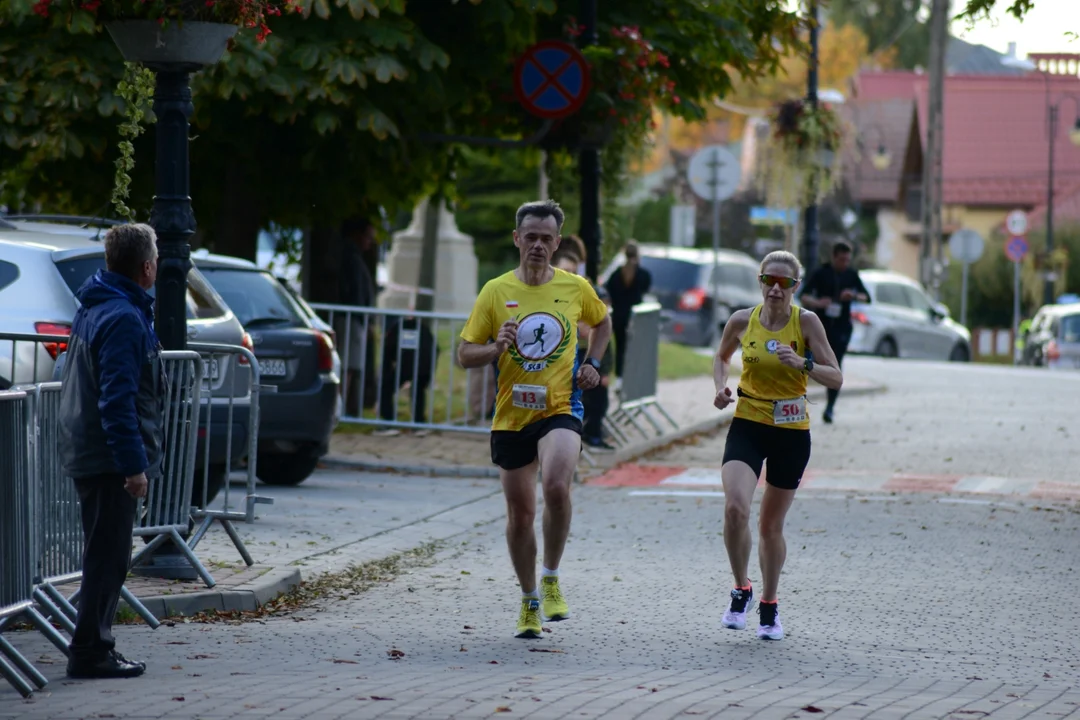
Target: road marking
(678, 493)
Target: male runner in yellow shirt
(531, 314)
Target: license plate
(272, 367)
(213, 363)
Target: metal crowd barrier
(638, 400)
(57, 551)
(27, 358)
(235, 384)
(16, 541)
(382, 350)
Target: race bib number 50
(530, 397)
(789, 411)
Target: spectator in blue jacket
(111, 434)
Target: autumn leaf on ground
(812, 709)
(547, 650)
(376, 697)
(395, 654)
(502, 708)
(179, 698)
(339, 661)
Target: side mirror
(939, 311)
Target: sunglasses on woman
(786, 283)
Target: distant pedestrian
(111, 432)
(358, 289)
(594, 400)
(407, 358)
(829, 292)
(626, 287)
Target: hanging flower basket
(189, 43)
(801, 156)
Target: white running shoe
(770, 627)
(741, 602)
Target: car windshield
(670, 275)
(1070, 328)
(256, 298)
(201, 300)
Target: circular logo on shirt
(772, 345)
(538, 336)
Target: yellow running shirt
(770, 392)
(536, 377)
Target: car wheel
(286, 469)
(960, 353)
(886, 347)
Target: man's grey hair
(128, 246)
(541, 209)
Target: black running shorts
(514, 449)
(785, 451)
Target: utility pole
(932, 250)
(810, 217)
(589, 167)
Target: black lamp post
(810, 217)
(172, 53)
(589, 167)
(1074, 136)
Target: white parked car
(901, 320)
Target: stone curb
(247, 597)
(469, 471)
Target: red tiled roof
(996, 144)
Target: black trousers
(838, 337)
(595, 402)
(390, 387)
(619, 326)
(108, 515)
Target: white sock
(549, 573)
(534, 594)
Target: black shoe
(599, 444)
(121, 658)
(112, 666)
(827, 416)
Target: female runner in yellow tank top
(781, 347)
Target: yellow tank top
(765, 381)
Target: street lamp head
(881, 159)
(1074, 134)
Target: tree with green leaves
(325, 119)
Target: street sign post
(1016, 247)
(1016, 222)
(967, 246)
(551, 79)
(714, 175)
(681, 233)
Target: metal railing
(27, 358)
(382, 350)
(16, 541)
(57, 540)
(242, 390)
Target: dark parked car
(296, 355)
(682, 284)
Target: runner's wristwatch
(594, 362)
(808, 364)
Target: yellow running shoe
(555, 607)
(529, 621)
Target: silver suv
(42, 266)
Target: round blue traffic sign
(551, 79)
(1016, 248)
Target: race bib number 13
(789, 411)
(530, 397)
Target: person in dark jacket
(405, 337)
(626, 288)
(111, 434)
(829, 292)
